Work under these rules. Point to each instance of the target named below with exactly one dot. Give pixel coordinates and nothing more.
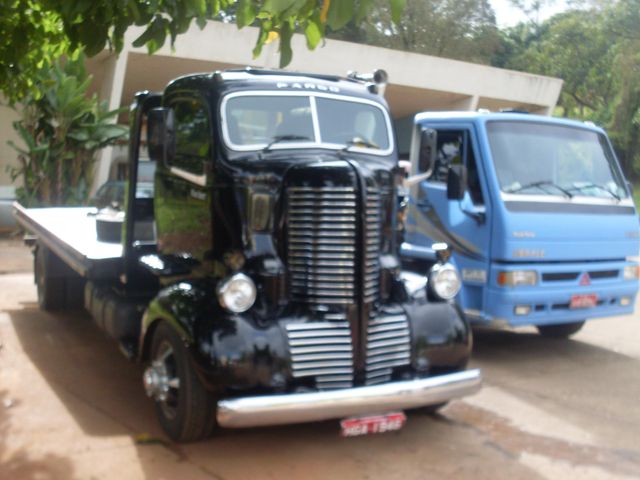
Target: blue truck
(537, 210)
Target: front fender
(441, 337)
(228, 351)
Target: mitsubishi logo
(585, 280)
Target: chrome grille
(388, 345)
(322, 350)
(372, 251)
(321, 249)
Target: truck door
(462, 223)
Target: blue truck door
(464, 224)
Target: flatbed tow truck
(261, 284)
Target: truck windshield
(539, 159)
(256, 121)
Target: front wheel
(561, 330)
(185, 409)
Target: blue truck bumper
(550, 301)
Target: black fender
(229, 351)
(440, 335)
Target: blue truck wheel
(561, 330)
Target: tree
(43, 28)
(596, 51)
(460, 29)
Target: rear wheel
(185, 409)
(51, 290)
(561, 330)
(58, 286)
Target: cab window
(454, 147)
(193, 135)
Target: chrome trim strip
(311, 407)
(317, 143)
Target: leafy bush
(62, 129)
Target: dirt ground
(72, 407)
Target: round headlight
(444, 281)
(237, 293)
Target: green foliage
(596, 52)
(48, 28)
(460, 29)
(31, 36)
(61, 129)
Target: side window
(454, 147)
(193, 135)
(449, 151)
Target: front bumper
(317, 406)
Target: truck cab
(261, 283)
(537, 211)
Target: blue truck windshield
(254, 121)
(544, 159)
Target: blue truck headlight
(237, 293)
(631, 272)
(517, 278)
(444, 281)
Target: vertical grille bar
(371, 286)
(321, 248)
(323, 351)
(388, 345)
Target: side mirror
(456, 182)
(427, 153)
(161, 135)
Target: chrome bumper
(311, 407)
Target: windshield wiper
(283, 138)
(541, 184)
(595, 185)
(359, 142)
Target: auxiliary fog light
(522, 309)
(517, 278)
(625, 301)
(631, 272)
(237, 293)
(444, 281)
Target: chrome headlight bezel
(229, 289)
(444, 281)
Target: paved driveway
(71, 407)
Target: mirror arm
(412, 180)
(480, 216)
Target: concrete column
(115, 67)
(469, 103)
(544, 111)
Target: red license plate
(587, 300)
(355, 426)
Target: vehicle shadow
(103, 393)
(521, 348)
(22, 464)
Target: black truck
(260, 283)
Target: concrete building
(417, 82)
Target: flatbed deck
(70, 232)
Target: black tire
(51, 290)
(560, 330)
(59, 287)
(188, 412)
(432, 409)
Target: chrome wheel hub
(159, 383)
